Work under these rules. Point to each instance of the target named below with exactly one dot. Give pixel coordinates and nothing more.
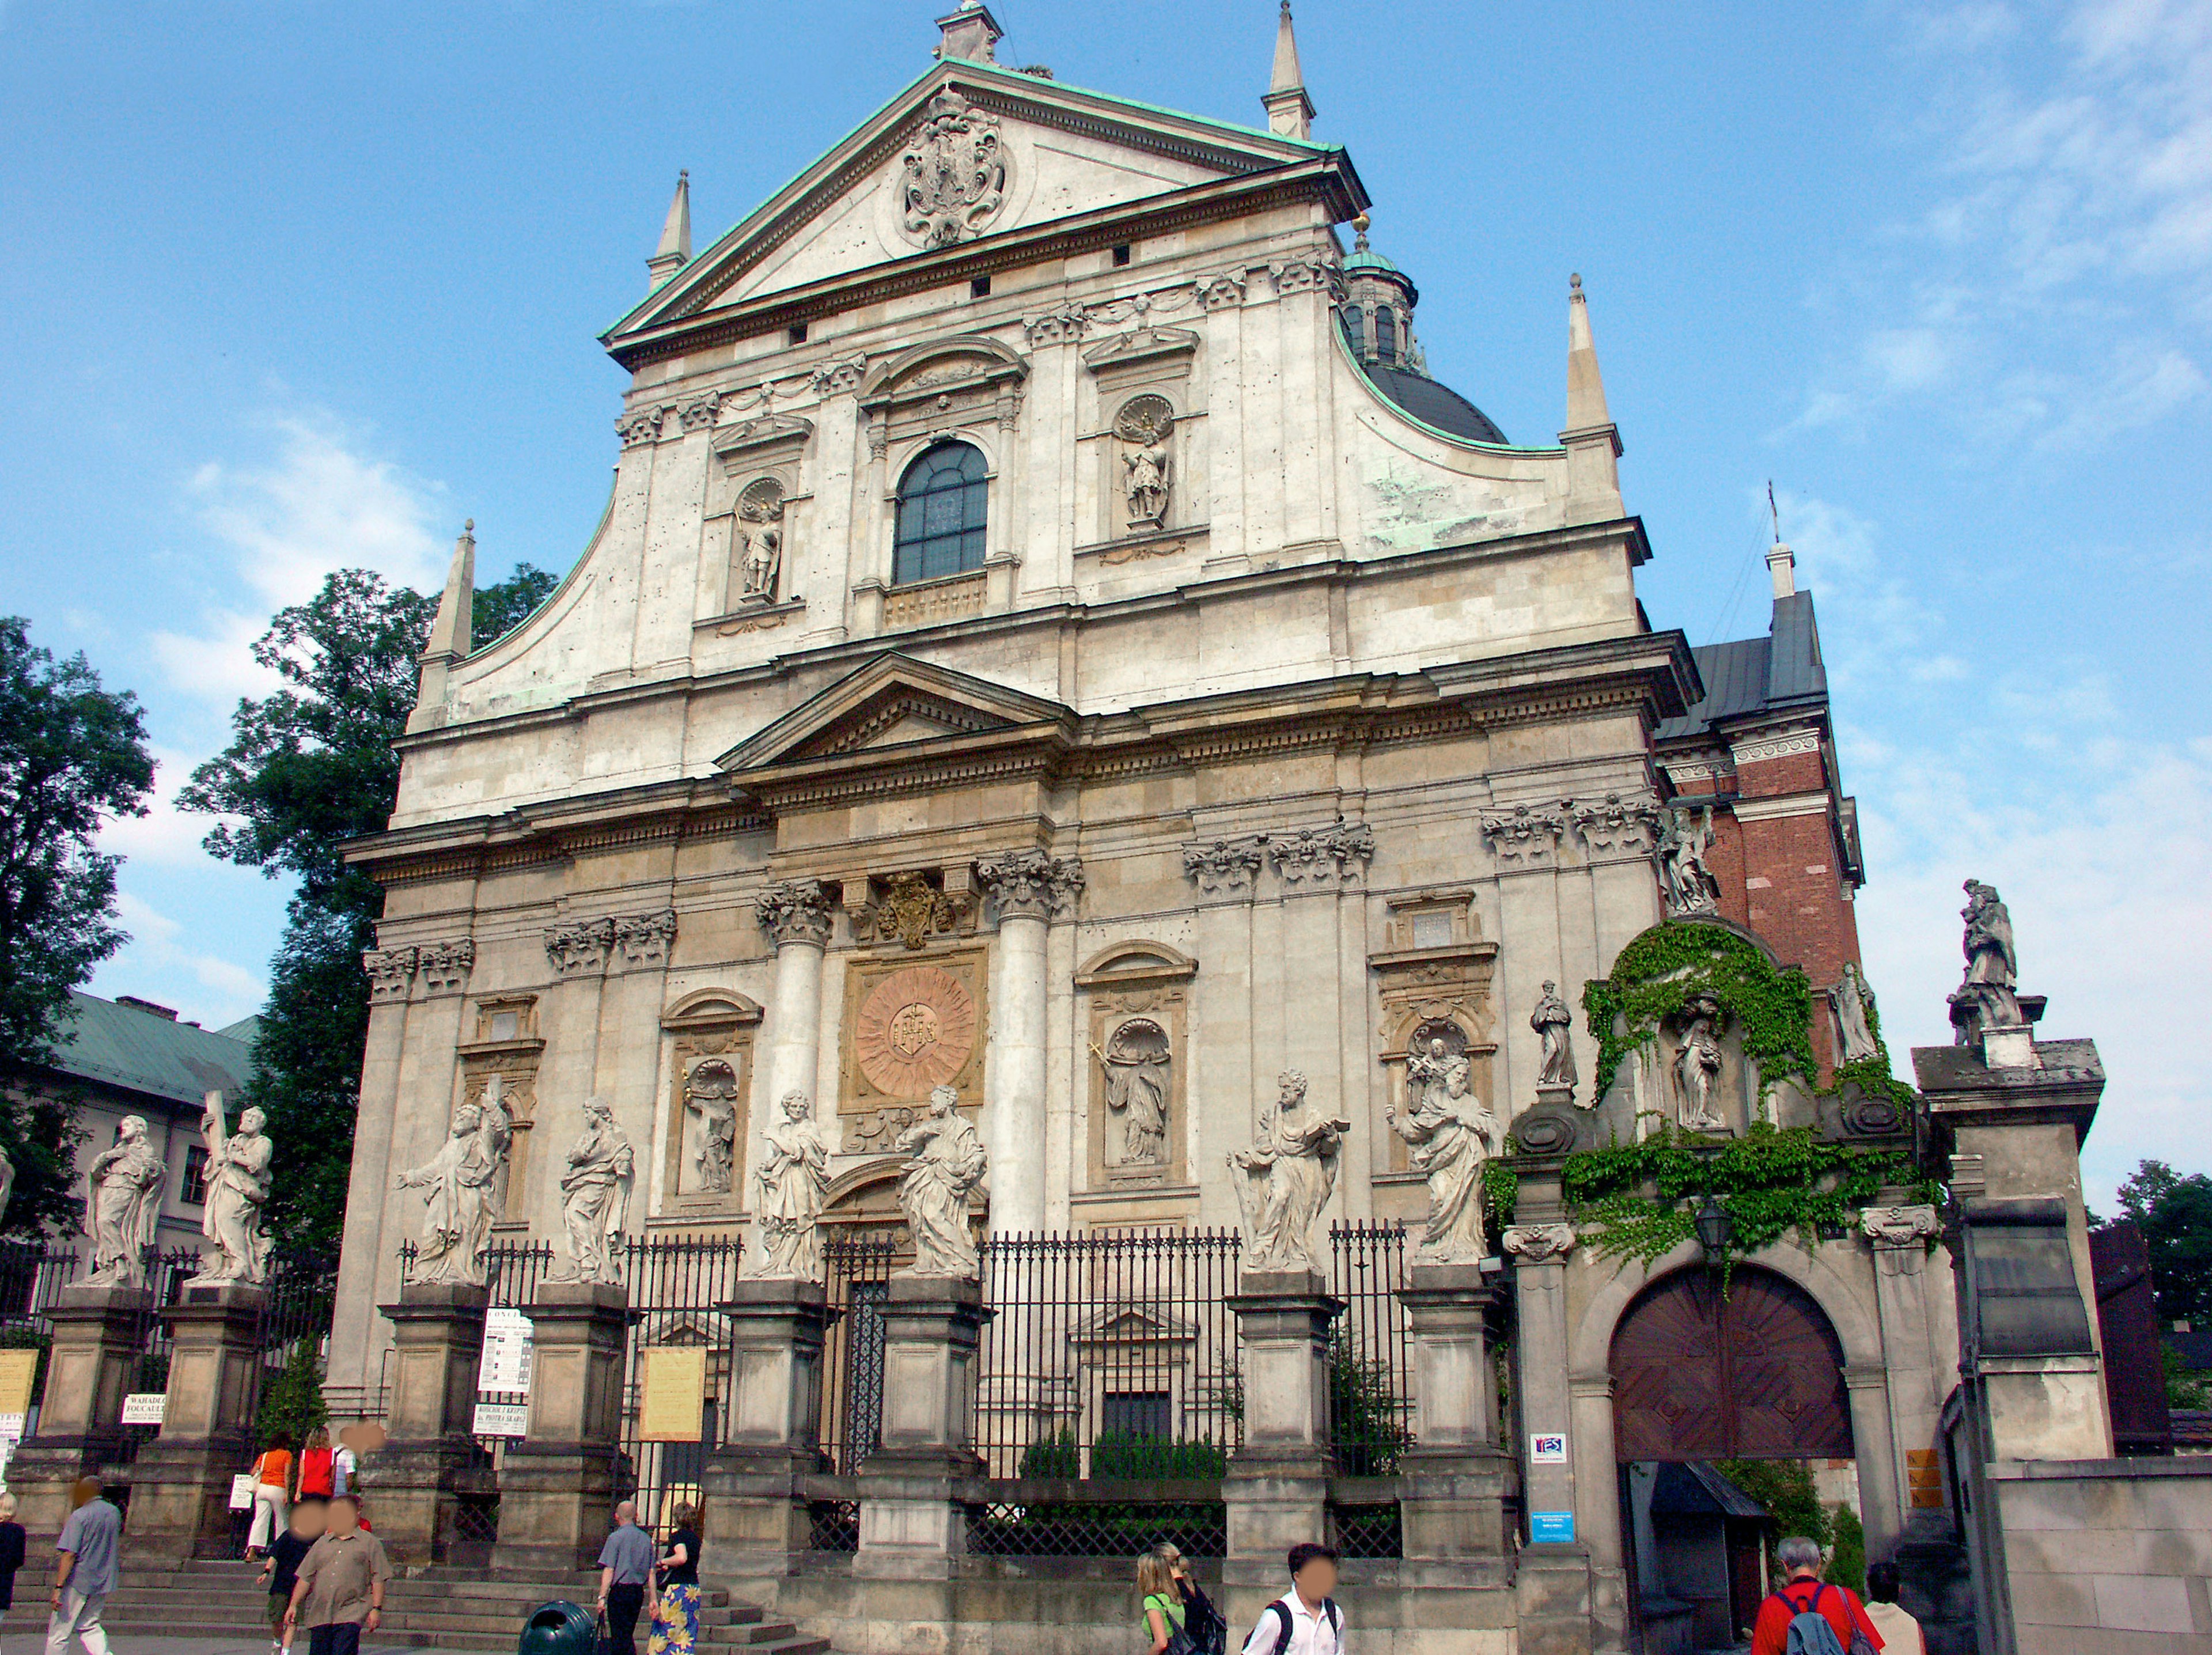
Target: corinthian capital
(794, 910)
(1539, 1243)
(390, 971)
(1030, 885)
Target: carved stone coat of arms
(955, 173)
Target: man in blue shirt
(85, 1573)
(625, 1569)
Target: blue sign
(1550, 1528)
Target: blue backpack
(1811, 1632)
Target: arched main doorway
(1699, 1378)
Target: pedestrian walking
(1305, 1619)
(316, 1474)
(280, 1570)
(339, 1593)
(12, 1543)
(676, 1615)
(1898, 1631)
(272, 1505)
(1161, 1607)
(1806, 1597)
(344, 1468)
(625, 1571)
(84, 1572)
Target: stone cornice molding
(736, 444)
(444, 967)
(390, 971)
(1773, 809)
(794, 911)
(1780, 743)
(1526, 836)
(582, 947)
(1030, 883)
(1540, 1244)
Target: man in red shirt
(1805, 1591)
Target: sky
(299, 287)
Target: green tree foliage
(2184, 1386)
(1847, 1567)
(1785, 1488)
(2174, 1213)
(309, 768)
(292, 1406)
(71, 755)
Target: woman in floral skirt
(676, 1613)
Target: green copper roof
(1368, 258)
(121, 1045)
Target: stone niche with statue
(1434, 979)
(710, 1078)
(1137, 996)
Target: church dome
(1433, 403)
(1376, 319)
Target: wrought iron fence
(1370, 1399)
(856, 1266)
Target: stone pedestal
(1277, 1489)
(415, 1478)
(754, 1483)
(1455, 1480)
(98, 1337)
(918, 1486)
(557, 1487)
(180, 1485)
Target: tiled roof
(1752, 675)
(143, 1051)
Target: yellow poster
(18, 1371)
(673, 1394)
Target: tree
(71, 755)
(2174, 1213)
(309, 768)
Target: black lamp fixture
(1715, 1229)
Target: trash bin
(559, 1628)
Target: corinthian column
(796, 914)
(1028, 887)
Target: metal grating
(1197, 1529)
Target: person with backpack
(1305, 1619)
(1808, 1616)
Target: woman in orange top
(272, 1508)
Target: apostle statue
(1854, 1007)
(123, 1206)
(1448, 1133)
(464, 1180)
(1136, 1065)
(237, 1189)
(1286, 1177)
(947, 1164)
(1148, 471)
(712, 1092)
(1698, 1065)
(595, 1197)
(763, 559)
(792, 1177)
(1684, 879)
(1987, 943)
(1552, 1020)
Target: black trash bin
(559, 1628)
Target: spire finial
(1289, 112)
(1592, 441)
(674, 249)
(1360, 224)
(468, 525)
(1781, 562)
(450, 636)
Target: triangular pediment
(892, 703)
(969, 151)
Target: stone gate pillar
(1553, 1581)
(558, 1486)
(180, 1485)
(98, 1337)
(1456, 1478)
(755, 1498)
(415, 1479)
(918, 1486)
(1277, 1489)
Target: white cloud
(165, 836)
(156, 944)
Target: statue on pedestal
(1684, 879)
(1552, 1020)
(1288, 1174)
(1698, 1065)
(1447, 1133)
(793, 1178)
(595, 1197)
(1989, 997)
(464, 1179)
(123, 1207)
(1853, 1007)
(238, 1183)
(948, 1163)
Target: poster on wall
(506, 1351)
(145, 1407)
(1550, 1528)
(674, 1394)
(1548, 1448)
(500, 1420)
(19, 1373)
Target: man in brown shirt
(340, 1591)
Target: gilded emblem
(956, 172)
(912, 1030)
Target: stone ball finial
(468, 525)
(1575, 284)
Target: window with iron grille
(194, 1192)
(1140, 1413)
(940, 514)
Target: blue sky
(294, 287)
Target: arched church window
(1386, 334)
(1355, 329)
(940, 514)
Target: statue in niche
(1854, 1016)
(712, 1093)
(760, 535)
(1698, 1065)
(1448, 1134)
(947, 1164)
(793, 1178)
(1136, 1061)
(238, 1184)
(464, 1178)
(123, 1207)
(1286, 1177)
(1148, 465)
(595, 1197)
(1684, 879)
(1552, 1020)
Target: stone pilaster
(1277, 1489)
(918, 1486)
(180, 1484)
(98, 1333)
(418, 1475)
(1456, 1480)
(1028, 887)
(756, 1498)
(796, 915)
(558, 1487)
(1553, 1581)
